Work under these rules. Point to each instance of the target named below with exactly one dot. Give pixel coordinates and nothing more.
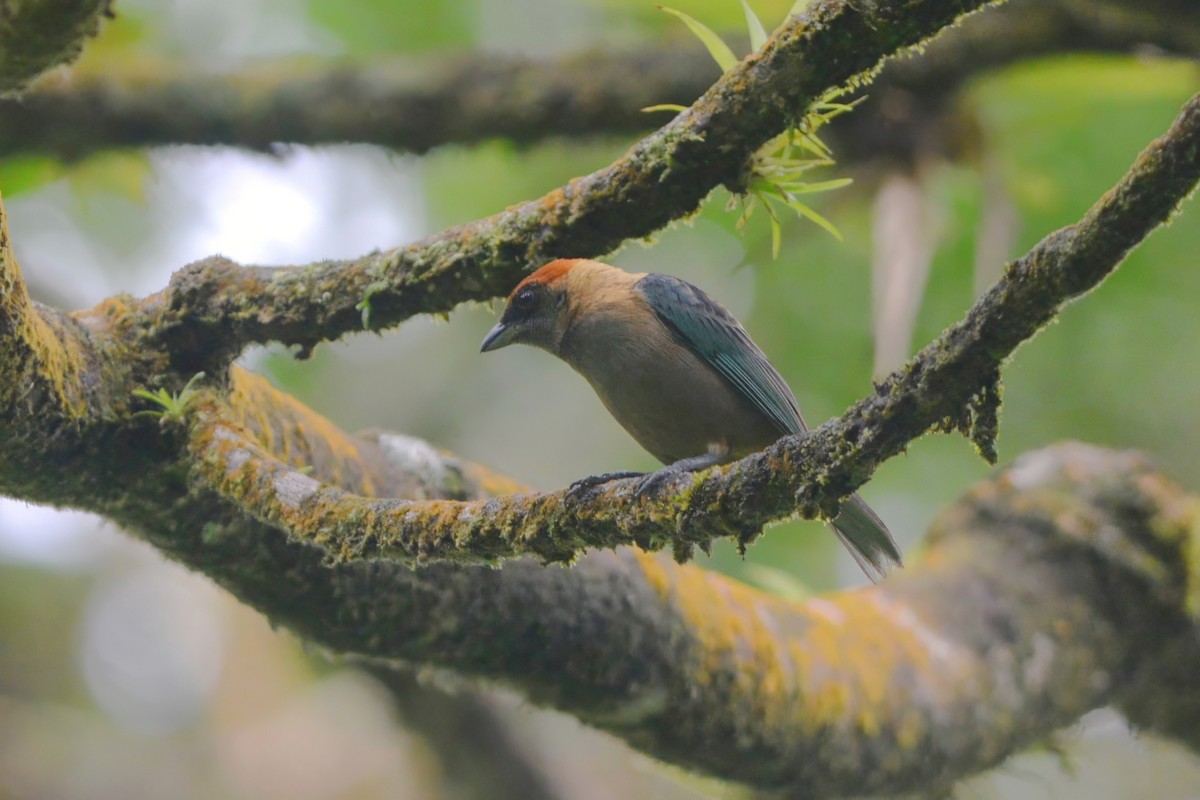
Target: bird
(676, 370)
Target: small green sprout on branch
(364, 305)
(171, 407)
(779, 167)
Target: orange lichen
(297, 435)
(55, 355)
(490, 482)
(655, 571)
(59, 357)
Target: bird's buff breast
(670, 401)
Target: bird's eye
(525, 300)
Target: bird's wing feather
(707, 329)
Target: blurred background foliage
(124, 676)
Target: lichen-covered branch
(415, 107)
(1067, 579)
(36, 35)
(953, 384)
(43, 355)
(1066, 582)
(214, 308)
(1068, 574)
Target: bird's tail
(867, 538)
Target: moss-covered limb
(1042, 592)
(415, 107)
(1164, 695)
(953, 384)
(374, 463)
(1048, 593)
(213, 308)
(910, 114)
(351, 527)
(53, 380)
(36, 35)
(1024, 29)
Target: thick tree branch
(1069, 586)
(1066, 577)
(953, 384)
(214, 308)
(1058, 586)
(43, 354)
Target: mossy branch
(214, 308)
(952, 384)
(1068, 573)
(1068, 582)
(1058, 586)
(43, 352)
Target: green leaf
(817, 218)
(364, 305)
(758, 36)
(172, 406)
(716, 47)
(122, 174)
(799, 6)
(364, 308)
(813, 144)
(776, 228)
(370, 27)
(26, 173)
(804, 187)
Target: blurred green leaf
(799, 6)
(758, 36)
(808, 212)
(802, 187)
(369, 27)
(121, 173)
(716, 45)
(26, 173)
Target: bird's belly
(679, 407)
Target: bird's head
(537, 310)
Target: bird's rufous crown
(547, 274)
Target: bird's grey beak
(499, 336)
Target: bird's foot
(652, 483)
(592, 481)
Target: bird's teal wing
(704, 326)
(707, 329)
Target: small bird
(676, 370)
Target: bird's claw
(651, 484)
(592, 481)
